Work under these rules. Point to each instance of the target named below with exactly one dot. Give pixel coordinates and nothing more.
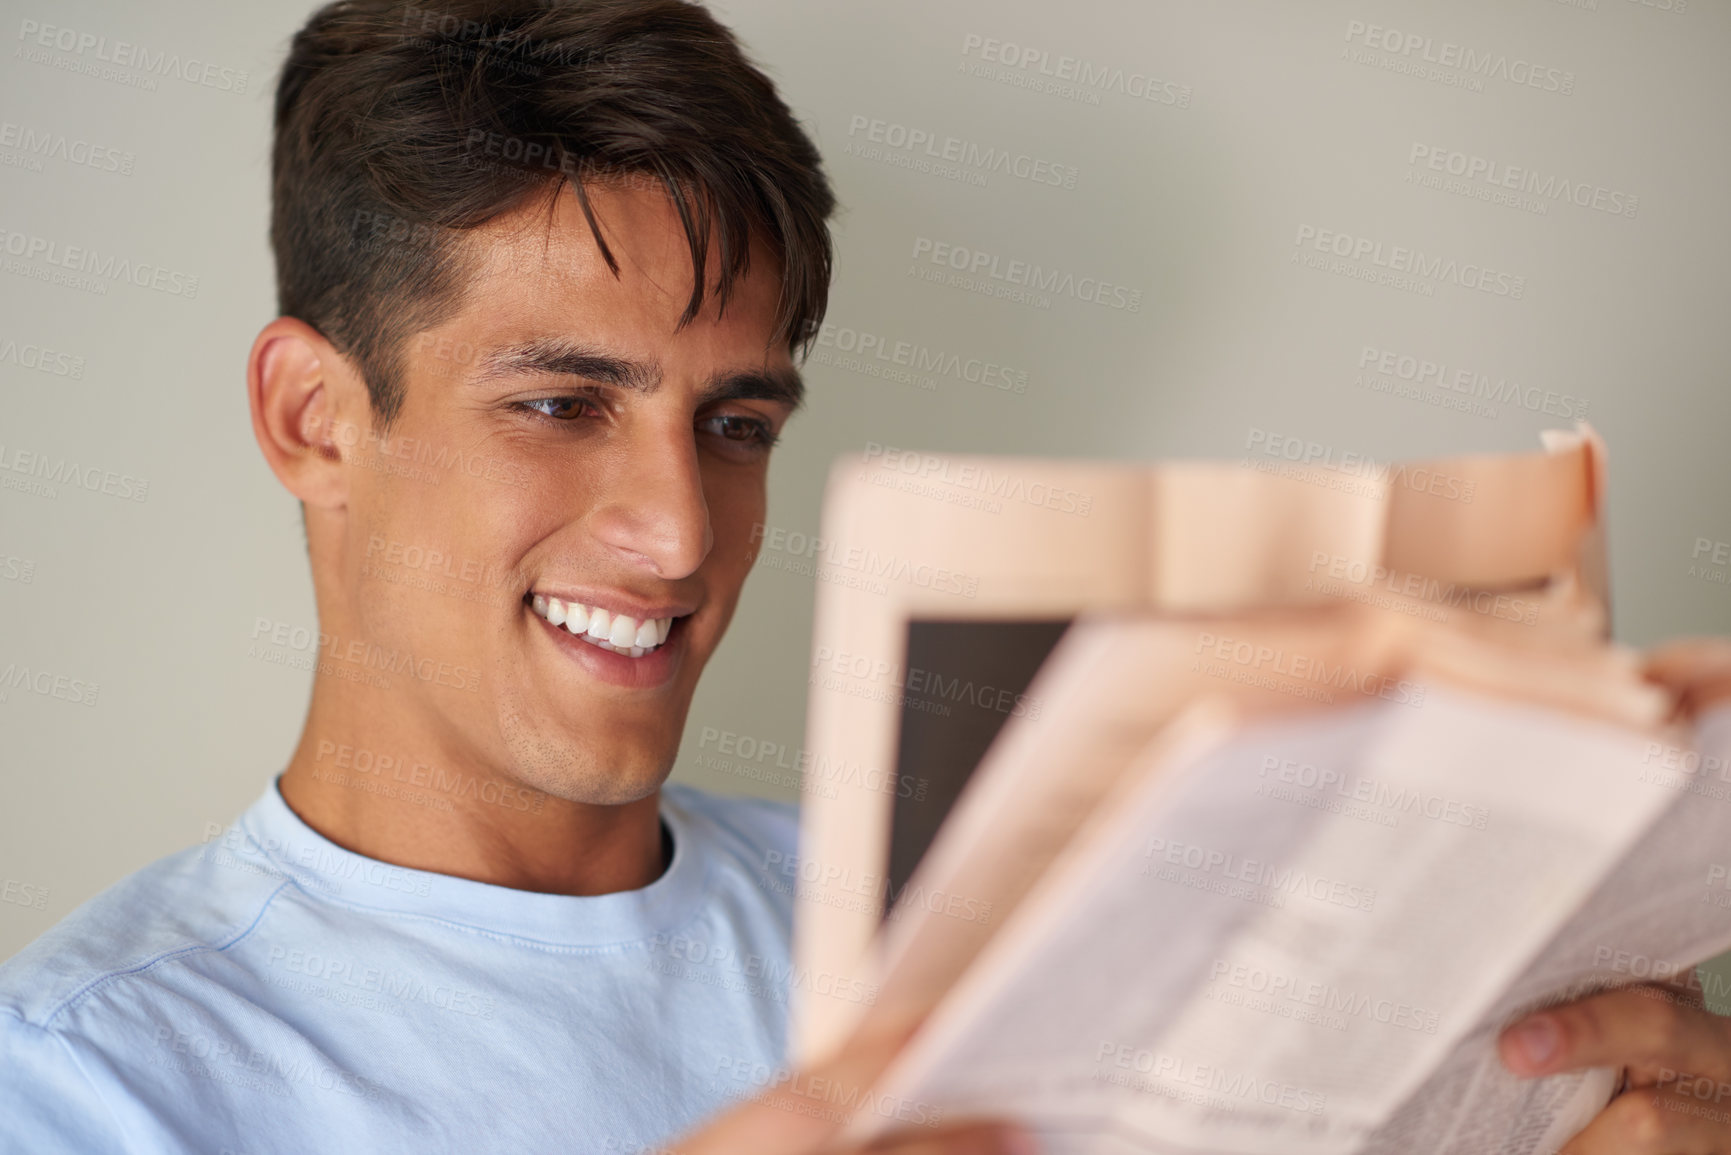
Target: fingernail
(1538, 1039)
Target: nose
(654, 514)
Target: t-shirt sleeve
(47, 1103)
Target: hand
(766, 1127)
(1696, 670)
(1677, 1058)
(802, 1115)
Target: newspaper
(1302, 932)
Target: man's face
(566, 451)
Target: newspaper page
(1276, 944)
(1664, 909)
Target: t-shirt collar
(270, 836)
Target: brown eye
(742, 429)
(559, 408)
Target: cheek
(737, 501)
(437, 551)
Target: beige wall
(1272, 125)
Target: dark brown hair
(400, 127)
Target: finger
(1647, 1029)
(960, 1139)
(1697, 670)
(1653, 1122)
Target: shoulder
(59, 1019)
(47, 1099)
(173, 909)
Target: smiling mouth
(619, 633)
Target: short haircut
(397, 128)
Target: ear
(309, 408)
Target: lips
(617, 633)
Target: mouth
(617, 633)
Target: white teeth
(624, 630)
(600, 624)
(620, 633)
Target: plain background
(1271, 121)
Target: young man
(543, 270)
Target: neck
(360, 778)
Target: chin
(599, 773)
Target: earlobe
(299, 389)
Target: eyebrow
(561, 357)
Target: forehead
(538, 270)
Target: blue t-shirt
(271, 992)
